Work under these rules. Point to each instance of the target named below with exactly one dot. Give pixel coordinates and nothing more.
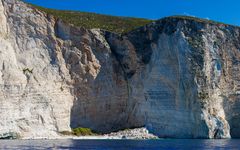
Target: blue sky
(227, 11)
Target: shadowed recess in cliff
(124, 52)
(233, 116)
(100, 88)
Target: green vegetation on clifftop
(93, 20)
(200, 20)
(115, 24)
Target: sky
(227, 11)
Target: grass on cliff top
(92, 20)
(201, 20)
(115, 24)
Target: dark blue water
(120, 144)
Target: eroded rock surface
(179, 77)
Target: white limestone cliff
(32, 102)
(178, 77)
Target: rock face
(179, 77)
(137, 133)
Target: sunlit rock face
(55, 77)
(182, 77)
(179, 77)
(32, 74)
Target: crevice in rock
(125, 74)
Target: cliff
(178, 76)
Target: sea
(165, 144)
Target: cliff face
(179, 77)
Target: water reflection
(119, 144)
(36, 144)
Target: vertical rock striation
(32, 74)
(178, 76)
(183, 77)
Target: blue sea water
(171, 144)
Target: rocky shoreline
(134, 134)
(138, 133)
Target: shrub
(61, 88)
(203, 95)
(82, 131)
(66, 132)
(25, 70)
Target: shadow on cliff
(233, 116)
(103, 107)
(102, 102)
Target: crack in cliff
(125, 74)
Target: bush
(82, 131)
(25, 70)
(66, 133)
